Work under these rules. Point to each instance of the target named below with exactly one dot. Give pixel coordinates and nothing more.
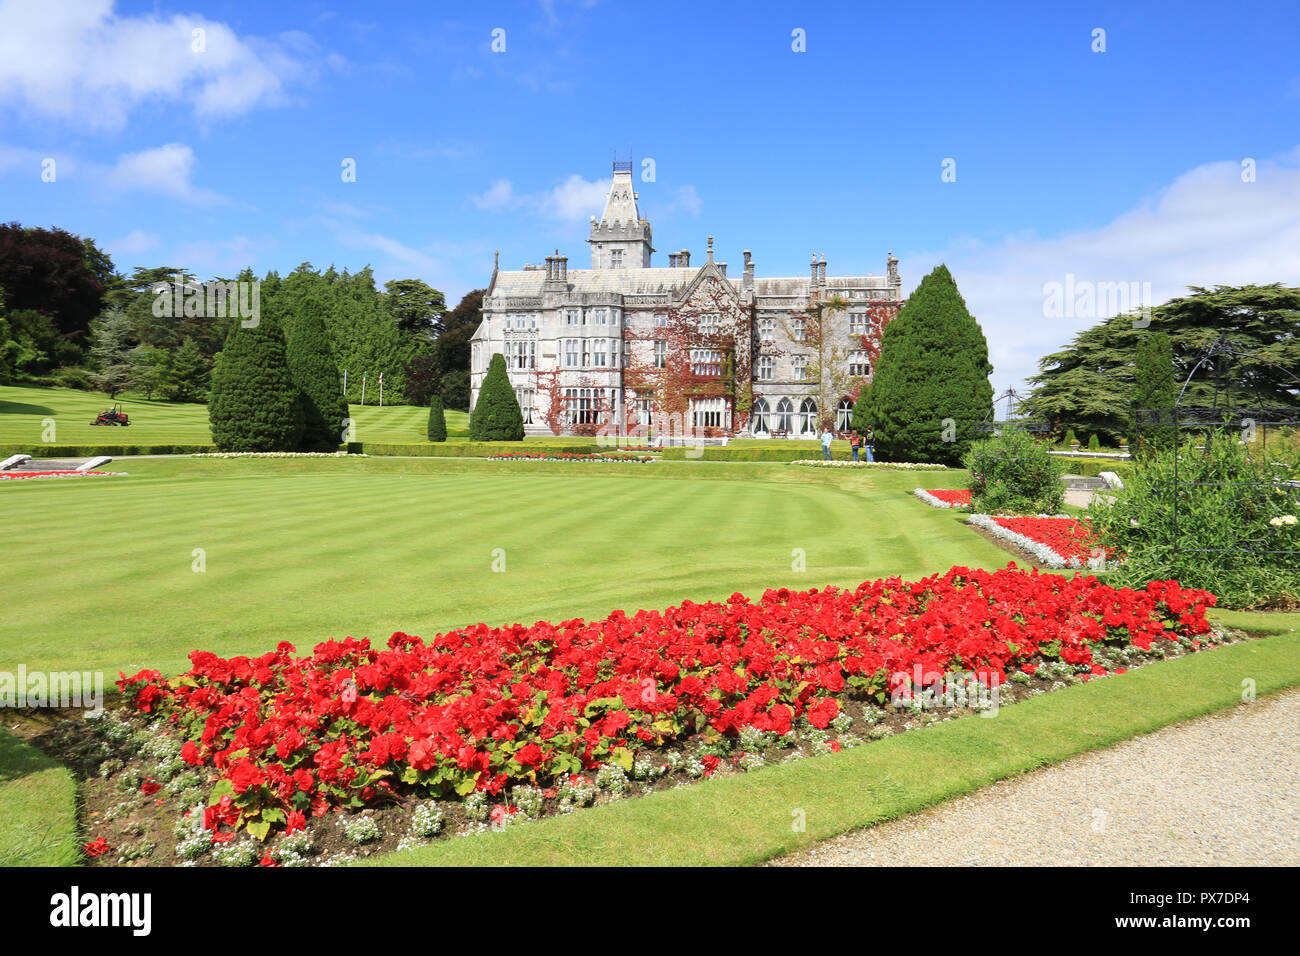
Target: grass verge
(38, 808)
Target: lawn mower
(113, 416)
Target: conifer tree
(254, 404)
(931, 387)
(496, 415)
(437, 420)
(312, 369)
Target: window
(616, 259)
(765, 368)
(708, 412)
(761, 415)
(859, 364)
(572, 316)
(766, 328)
(843, 413)
(800, 366)
(799, 329)
(857, 323)
(598, 353)
(571, 353)
(582, 405)
(706, 362)
(661, 354)
(709, 323)
(784, 412)
(586, 353)
(525, 398)
(597, 316)
(808, 417)
(661, 320)
(644, 411)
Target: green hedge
(749, 453)
(459, 449)
(90, 451)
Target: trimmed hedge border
(469, 449)
(90, 451)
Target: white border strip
(1045, 555)
(934, 502)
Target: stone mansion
(625, 345)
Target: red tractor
(113, 416)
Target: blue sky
(1115, 166)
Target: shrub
(496, 415)
(1229, 532)
(1012, 473)
(1069, 439)
(931, 387)
(437, 420)
(255, 404)
(1094, 443)
(74, 377)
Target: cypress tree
(931, 387)
(1154, 389)
(254, 405)
(437, 420)
(496, 415)
(314, 374)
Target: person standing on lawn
(855, 442)
(827, 438)
(867, 440)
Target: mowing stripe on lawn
(747, 818)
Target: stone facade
(625, 345)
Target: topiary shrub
(1012, 473)
(496, 415)
(1094, 443)
(1069, 439)
(437, 420)
(931, 386)
(254, 404)
(1237, 516)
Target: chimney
(550, 268)
(563, 262)
(821, 271)
(894, 280)
(672, 260)
(747, 283)
(710, 248)
(722, 267)
(814, 271)
(684, 259)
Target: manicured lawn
(307, 550)
(38, 800)
(23, 412)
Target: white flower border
(910, 465)
(28, 476)
(934, 502)
(278, 454)
(1045, 555)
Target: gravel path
(1222, 790)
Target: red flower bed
(55, 474)
(1070, 538)
(565, 456)
(945, 498)
(482, 707)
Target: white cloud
(78, 60)
(133, 243)
(1206, 228)
(164, 169)
(574, 200)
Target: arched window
(844, 414)
(784, 412)
(761, 413)
(808, 417)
